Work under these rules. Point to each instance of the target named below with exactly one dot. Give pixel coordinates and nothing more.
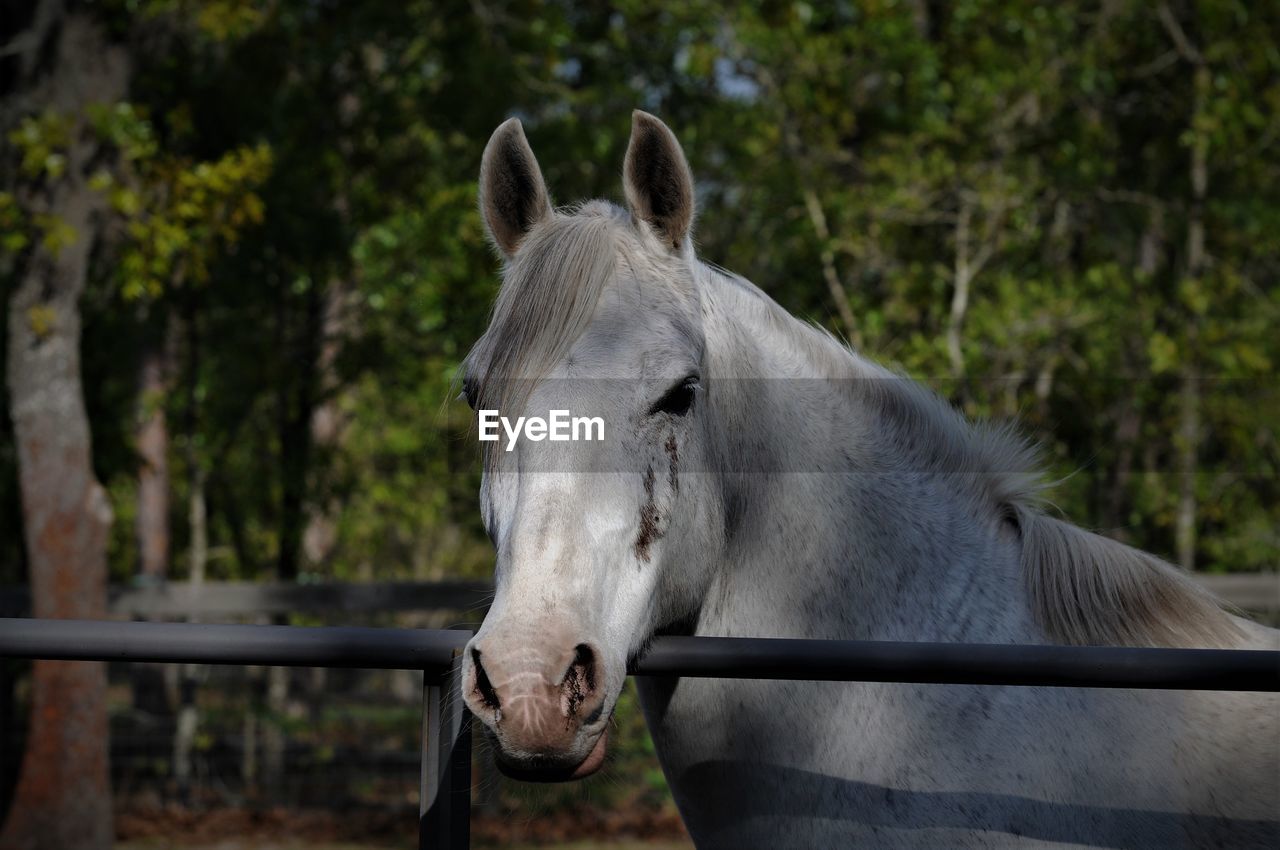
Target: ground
(253, 844)
(279, 828)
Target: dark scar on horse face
(648, 519)
(673, 462)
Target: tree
(63, 797)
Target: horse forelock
(549, 293)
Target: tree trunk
(151, 691)
(63, 798)
(1189, 423)
(275, 741)
(1118, 500)
(249, 736)
(188, 721)
(1190, 433)
(1188, 443)
(153, 466)
(296, 402)
(328, 424)
(295, 406)
(188, 724)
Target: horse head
(599, 543)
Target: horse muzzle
(542, 706)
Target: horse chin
(546, 770)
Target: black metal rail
(446, 741)
(208, 643)
(736, 658)
(965, 663)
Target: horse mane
(1083, 588)
(1088, 589)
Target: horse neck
(882, 548)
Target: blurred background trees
(1052, 213)
(1060, 212)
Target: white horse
(759, 479)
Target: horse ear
(513, 196)
(657, 180)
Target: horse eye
(469, 392)
(678, 399)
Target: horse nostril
(484, 688)
(584, 660)
(580, 680)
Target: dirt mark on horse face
(650, 521)
(673, 463)
(649, 530)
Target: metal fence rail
(964, 664)
(715, 657)
(207, 643)
(446, 742)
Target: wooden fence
(212, 600)
(1257, 593)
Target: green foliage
(184, 215)
(12, 237)
(216, 21)
(180, 213)
(41, 141)
(300, 187)
(126, 128)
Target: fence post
(444, 800)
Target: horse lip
(544, 770)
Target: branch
(1155, 66)
(19, 96)
(1185, 48)
(962, 276)
(968, 265)
(1126, 196)
(829, 272)
(27, 44)
(29, 40)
